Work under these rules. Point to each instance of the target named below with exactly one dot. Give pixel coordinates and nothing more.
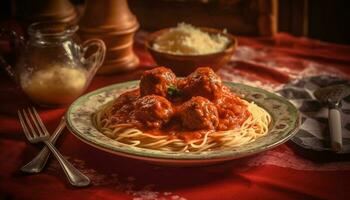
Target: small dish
(182, 65)
(285, 123)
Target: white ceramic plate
(285, 123)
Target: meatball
(199, 113)
(232, 111)
(124, 99)
(153, 111)
(202, 82)
(157, 81)
(122, 107)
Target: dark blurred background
(327, 20)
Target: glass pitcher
(52, 67)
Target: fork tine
(29, 124)
(34, 119)
(24, 126)
(42, 126)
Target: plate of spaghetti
(193, 120)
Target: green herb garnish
(173, 91)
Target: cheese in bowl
(185, 48)
(186, 39)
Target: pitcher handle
(16, 42)
(95, 60)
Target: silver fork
(39, 133)
(38, 163)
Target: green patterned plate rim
(285, 123)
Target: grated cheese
(186, 39)
(57, 84)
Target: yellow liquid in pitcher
(58, 84)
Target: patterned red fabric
(286, 172)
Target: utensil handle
(335, 129)
(38, 163)
(75, 177)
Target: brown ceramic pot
(46, 10)
(111, 21)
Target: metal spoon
(332, 95)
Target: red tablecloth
(286, 172)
